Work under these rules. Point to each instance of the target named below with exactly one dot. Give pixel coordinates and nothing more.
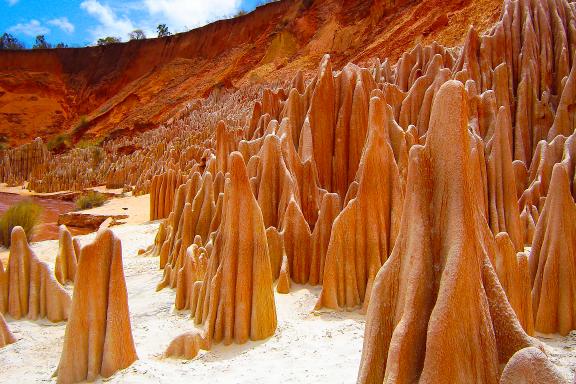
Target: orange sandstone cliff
(123, 88)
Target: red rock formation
(321, 117)
(66, 259)
(438, 290)
(176, 258)
(77, 248)
(296, 240)
(529, 218)
(531, 366)
(225, 144)
(98, 339)
(162, 192)
(28, 287)
(564, 120)
(284, 283)
(275, 250)
(235, 301)
(6, 337)
(305, 140)
(514, 275)
(193, 271)
(364, 233)
(546, 155)
(122, 88)
(502, 196)
(277, 185)
(329, 210)
(191, 217)
(18, 164)
(553, 259)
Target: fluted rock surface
(296, 241)
(28, 287)
(514, 275)
(364, 233)
(98, 338)
(438, 290)
(329, 211)
(191, 273)
(6, 337)
(502, 197)
(18, 164)
(189, 221)
(162, 192)
(553, 259)
(235, 301)
(66, 259)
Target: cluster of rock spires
(98, 338)
(17, 165)
(235, 300)
(444, 165)
(28, 288)
(129, 162)
(408, 191)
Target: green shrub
(25, 214)
(90, 199)
(89, 142)
(59, 143)
(81, 126)
(109, 40)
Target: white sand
(136, 207)
(308, 347)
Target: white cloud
(11, 2)
(63, 24)
(32, 28)
(110, 23)
(178, 14)
(120, 18)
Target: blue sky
(82, 22)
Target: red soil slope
(135, 86)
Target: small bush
(109, 40)
(90, 199)
(81, 126)
(25, 214)
(89, 142)
(59, 143)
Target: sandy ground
(307, 346)
(136, 207)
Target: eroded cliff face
(124, 88)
